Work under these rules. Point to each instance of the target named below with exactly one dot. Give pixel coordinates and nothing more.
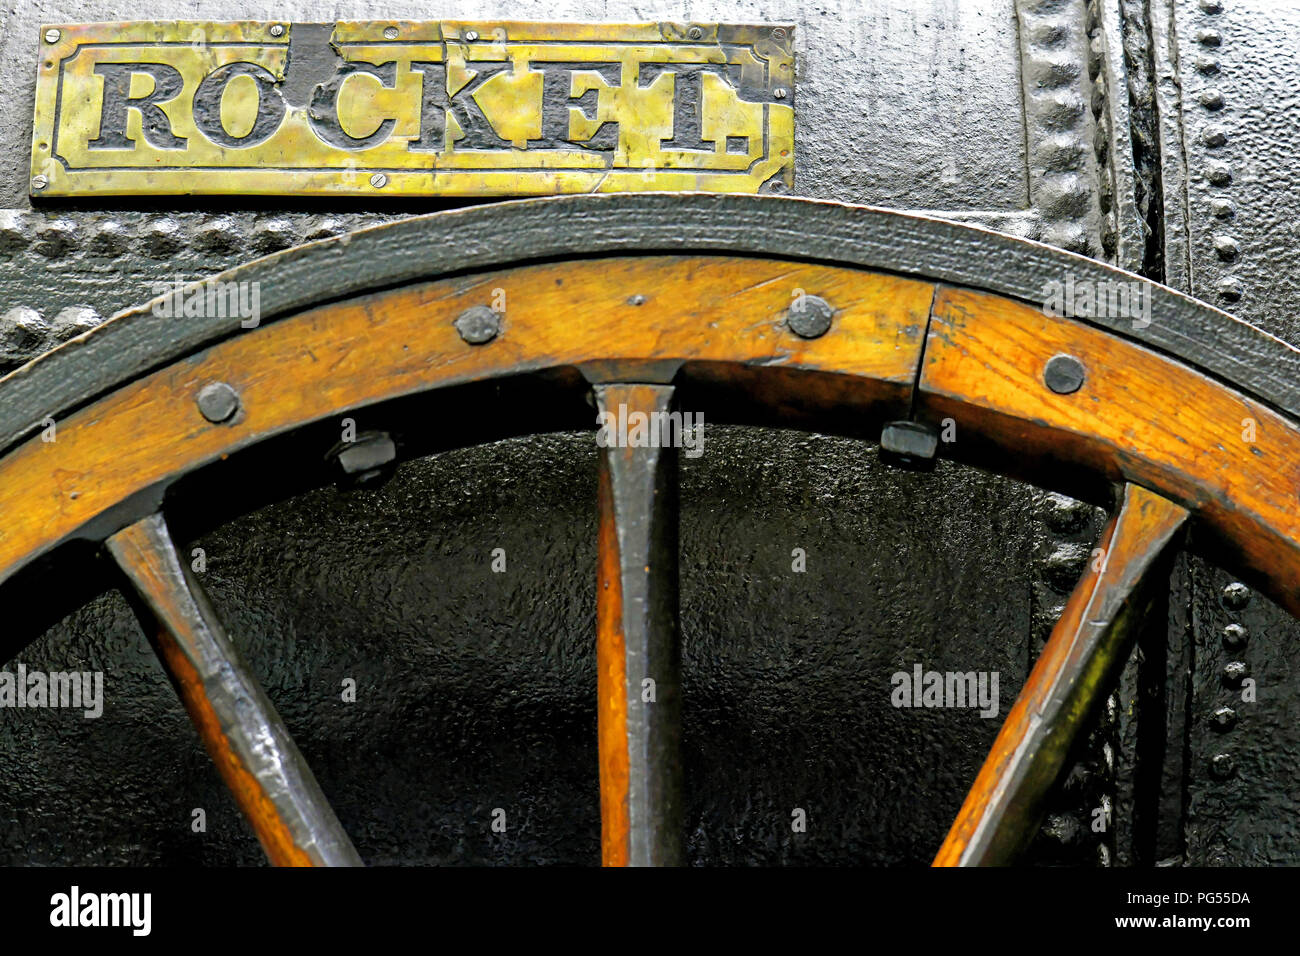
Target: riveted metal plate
(411, 108)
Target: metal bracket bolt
(910, 445)
(1234, 672)
(365, 459)
(1223, 719)
(1236, 596)
(1223, 766)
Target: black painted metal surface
(1155, 134)
(476, 689)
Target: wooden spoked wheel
(653, 303)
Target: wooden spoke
(1072, 675)
(638, 641)
(240, 727)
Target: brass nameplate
(412, 108)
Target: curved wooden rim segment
(496, 235)
(1138, 416)
(329, 360)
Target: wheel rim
(906, 349)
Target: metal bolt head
(379, 180)
(1218, 174)
(277, 29)
(810, 316)
(1236, 596)
(1063, 374)
(1226, 247)
(910, 445)
(694, 33)
(218, 402)
(1065, 515)
(1231, 288)
(471, 35)
(52, 35)
(1221, 208)
(780, 92)
(390, 33)
(1235, 637)
(478, 325)
(1223, 766)
(1234, 672)
(361, 461)
(778, 33)
(1211, 99)
(1223, 719)
(39, 182)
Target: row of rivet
(1235, 598)
(25, 333)
(1236, 595)
(160, 238)
(1215, 136)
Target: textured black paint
(476, 690)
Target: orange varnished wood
(341, 356)
(638, 636)
(1138, 417)
(135, 547)
(1071, 676)
(276, 840)
(611, 684)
